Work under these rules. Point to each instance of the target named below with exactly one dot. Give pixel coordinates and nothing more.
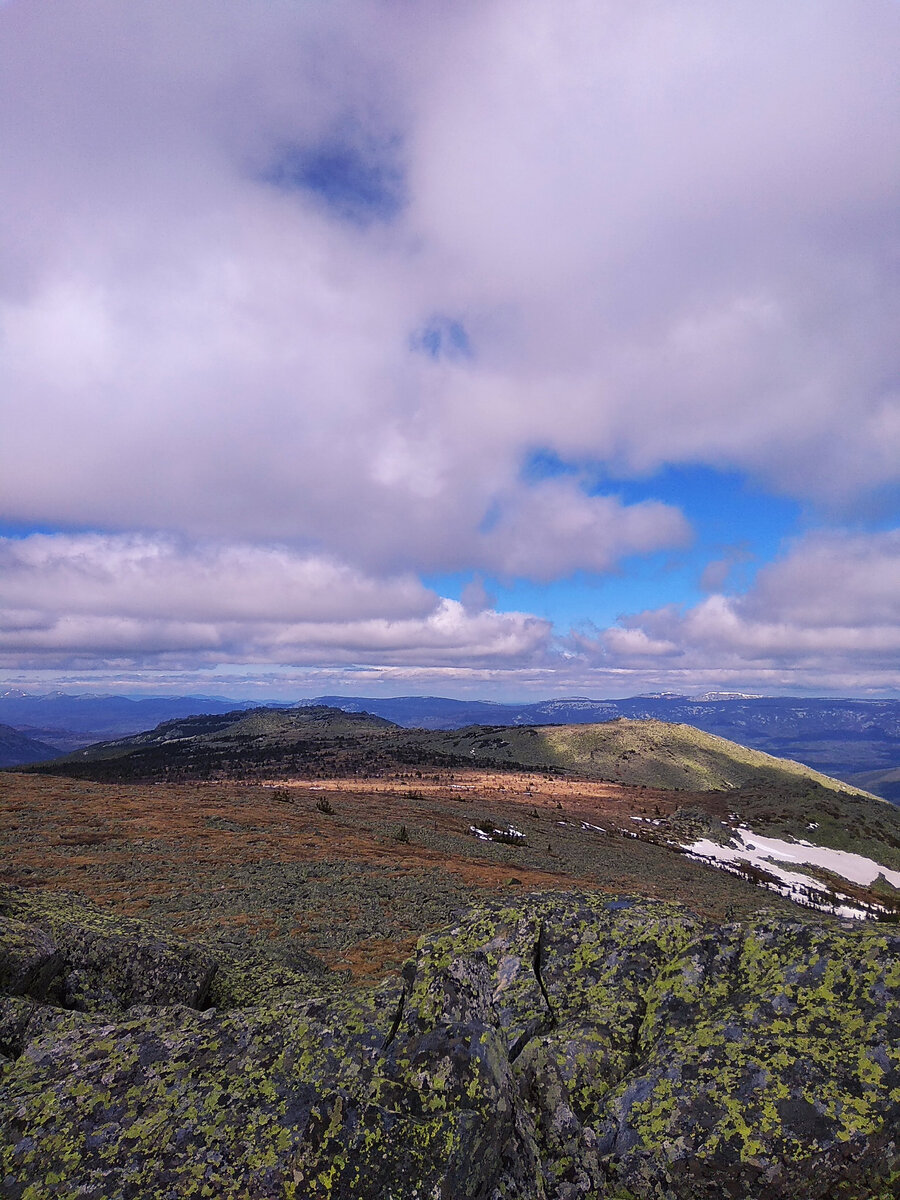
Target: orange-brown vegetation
(232, 861)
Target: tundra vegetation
(252, 958)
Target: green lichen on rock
(94, 961)
(767, 1057)
(30, 960)
(565, 1047)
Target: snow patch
(854, 867)
(507, 834)
(778, 858)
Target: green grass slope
(645, 753)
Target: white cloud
(127, 600)
(141, 576)
(554, 528)
(242, 619)
(649, 233)
(824, 616)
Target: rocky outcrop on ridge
(567, 1046)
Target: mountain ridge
(649, 752)
(843, 738)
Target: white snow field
(785, 860)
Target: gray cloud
(327, 275)
(826, 613)
(553, 527)
(825, 618)
(669, 234)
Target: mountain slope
(770, 795)
(646, 753)
(238, 744)
(882, 783)
(17, 748)
(840, 737)
(837, 736)
(642, 753)
(720, 781)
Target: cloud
(554, 528)
(250, 620)
(682, 214)
(833, 580)
(825, 616)
(716, 572)
(297, 290)
(634, 234)
(112, 601)
(139, 576)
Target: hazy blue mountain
(17, 748)
(882, 783)
(65, 722)
(427, 712)
(843, 738)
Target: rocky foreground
(563, 1046)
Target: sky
(495, 348)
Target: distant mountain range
(854, 740)
(66, 722)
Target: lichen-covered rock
(566, 1047)
(30, 959)
(105, 972)
(59, 948)
(23, 1020)
(769, 1063)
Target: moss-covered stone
(30, 960)
(61, 948)
(565, 1046)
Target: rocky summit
(565, 1046)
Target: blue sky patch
(355, 182)
(738, 529)
(24, 529)
(544, 463)
(442, 337)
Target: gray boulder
(564, 1047)
(54, 947)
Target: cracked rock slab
(567, 1046)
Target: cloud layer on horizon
(131, 601)
(297, 291)
(826, 613)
